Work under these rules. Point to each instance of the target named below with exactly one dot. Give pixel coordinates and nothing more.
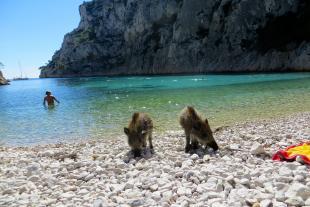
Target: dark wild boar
(140, 128)
(196, 130)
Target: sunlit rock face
(122, 37)
(3, 81)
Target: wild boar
(140, 128)
(196, 130)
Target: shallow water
(101, 107)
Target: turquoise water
(101, 107)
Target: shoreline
(175, 74)
(214, 128)
(103, 173)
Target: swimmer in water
(49, 98)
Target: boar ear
(192, 111)
(206, 121)
(135, 116)
(126, 130)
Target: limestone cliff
(117, 37)
(3, 81)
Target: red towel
(290, 153)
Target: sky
(31, 31)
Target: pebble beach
(99, 173)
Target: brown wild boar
(196, 130)
(140, 128)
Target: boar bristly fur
(140, 128)
(196, 130)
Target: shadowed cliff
(122, 37)
(3, 81)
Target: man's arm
(44, 101)
(56, 100)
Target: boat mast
(20, 69)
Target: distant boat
(20, 78)
(21, 74)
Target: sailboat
(21, 74)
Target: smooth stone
(82, 175)
(167, 195)
(244, 181)
(266, 203)
(68, 195)
(49, 201)
(132, 194)
(206, 158)
(179, 174)
(280, 186)
(284, 179)
(7, 192)
(32, 169)
(47, 153)
(136, 203)
(234, 146)
(194, 157)
(98, 203)
(99, 170)
(292, 165)
(88, 177)
(156, 196)
(257, 149)
(212, 195)
(10, 174)
(184, 191)
(299, 178)
(34, 178)
(70, 188)
(83, 192)
(285, 171)
(187, 163)
(256, 204)
(154, 187)
(279, 204)
(184, 204)
(298, 190)
(296, 201)
(23, 189)
(280, 196)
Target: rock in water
(3, 81)
(179, 36)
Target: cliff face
(118, 37)
(3, 81)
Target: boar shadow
(146, 153)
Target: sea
(100, 107)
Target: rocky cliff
(3, 81)
(117, 37)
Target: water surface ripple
(101, 107)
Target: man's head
(48, 93)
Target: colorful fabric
(290, 153)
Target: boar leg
(136, 152)
(213, 145)
(187, 144)
(194, 143)
(150, 139)
(144, 143)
